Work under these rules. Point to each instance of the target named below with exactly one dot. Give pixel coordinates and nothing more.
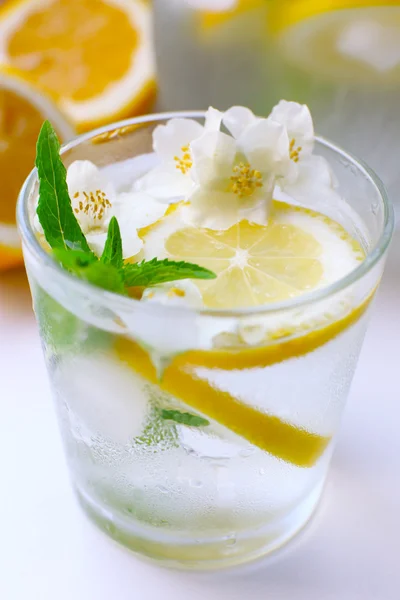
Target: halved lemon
(298, 251)
(22, 112)
(94, 57)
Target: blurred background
(85, 63)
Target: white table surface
(50, 551)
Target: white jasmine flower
(235, 177)
(95, 201)
(304, 176)
(172, 145)
(300, 174)
(92, 195)
(297, 120)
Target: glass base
(195, 552)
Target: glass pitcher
(341, 57)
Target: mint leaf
(61, 229)
(74, 260)
(86, 266)
(112, 253)
(152, 272)
(184, 418)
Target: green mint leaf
(74, 260)
(184, 418)
(112, 253)
(61, 229)
(152, 272)
(87, 266)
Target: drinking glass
(250, 478)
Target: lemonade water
(199, 496)
(202, 437)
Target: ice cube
(108, 398)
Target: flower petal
(237, 119)
(165, 183)
(315, 183)
(138, 210)
(133, 212)
(83, 175)
(131, 242)
(266, 146)
(212, 209)
(213, 156)
(169, 139)
(213, 119)
(298, 122)
(96, 241)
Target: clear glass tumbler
(246, 482)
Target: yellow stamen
(95, 205)
(185, 163)
(245, 180)
(294, 153)
(176, 292)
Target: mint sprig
(70, 247)
(154, 271)
(82, 265)
(60, 226)
(112, 253)
(184, 418)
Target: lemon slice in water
(297, 252)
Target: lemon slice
(297, 252)
(94, 58)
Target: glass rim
(31, 242)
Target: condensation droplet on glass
(196, 483)
(374, 208)
(231, 540)
(247, 452)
